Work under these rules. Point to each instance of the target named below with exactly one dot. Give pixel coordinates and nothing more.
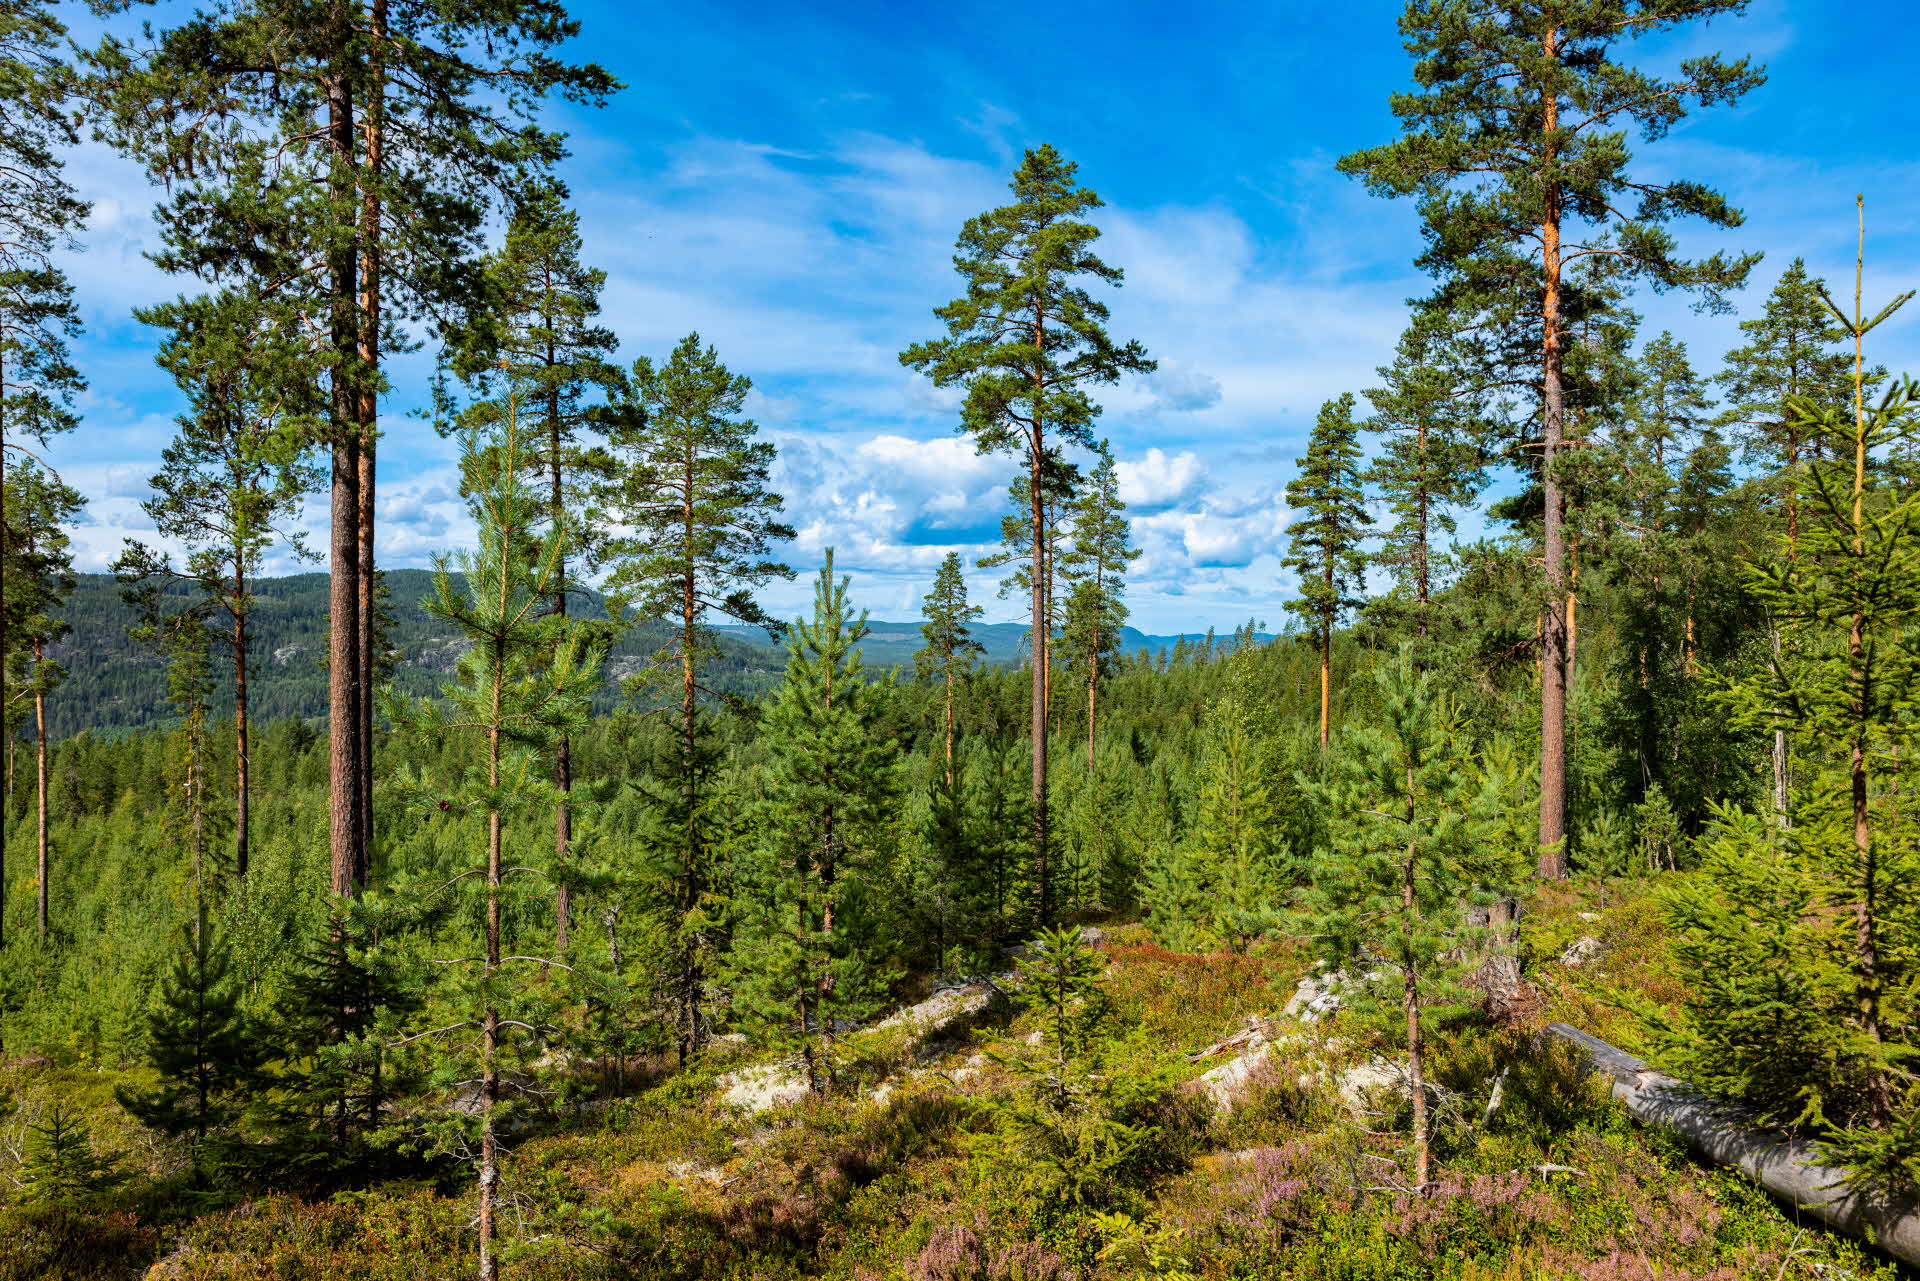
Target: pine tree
(203, 1047)
(343, 159)
(1513, 146)
(231, 482)
(1095, 566)
(537, 327)
(1792, 352)
(806, 958)
(1411, 844)
(692, 488)
(1799, 943)
(950, 650)
(1671, 409)
(523, 684)
(39, 216)
(59, 1166)
(1238, 829)
(35, 507)
(1028, 341)
(1431, 462)
(1325, 543)
(334, 1080)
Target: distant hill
(116, 686)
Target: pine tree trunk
(366, 421)
(1553, 632)
(344, 688)
(1038, 726)
(691, 976)
(562, 750)
(490, 1024)
(1422, 550)
(949, 665)
(242, 745)
(1093, 684)
(1326, 681)
(40, 772)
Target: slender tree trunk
(562, 750)
(1553, 625)
(40, 771)
(1422, 550)
(345, 691)
(242, 743)
(1038, 727)
(490, 1036)
(949, 666)
(691, 976)
(1326, 681)
(1093, 685)
(1860, 678)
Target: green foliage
(806, 958)
(1027, 340)
(1071, 1134)
(204, 1048)
(60, 1167)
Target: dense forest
(561, 912)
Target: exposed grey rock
(945, 1010)
(1319, 995)
(1582, 950)
(286, 653)
(1228, 1082)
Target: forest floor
(896, 1176)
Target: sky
(788, 180)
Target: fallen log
(1719, 1131)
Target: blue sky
(788, 181)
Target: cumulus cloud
(1158, 479)
(1179, 387)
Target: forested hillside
(114, 682)
(1541, 901)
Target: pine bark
(242, 743)
(563, 750)
(40, 794)
(1038, 723)
(344, 688)
(1553, 624)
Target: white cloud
(1159, 479)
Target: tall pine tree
(231, 482)
(1514, 145)
(344, 158)
(951, 650)
(523, 684)
(1325, 544)
(1028, 341)
(537, 327)
(1096, 566)
(691, 489)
